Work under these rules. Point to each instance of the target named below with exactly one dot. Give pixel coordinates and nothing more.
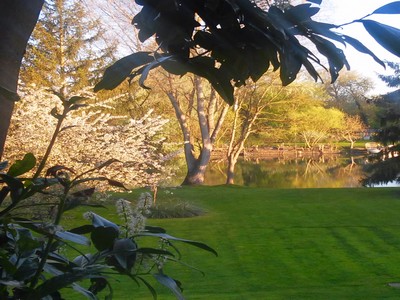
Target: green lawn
(285, 244)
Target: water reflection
(321, 172)
(336, 171)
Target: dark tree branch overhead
(17, 20)
(230, 41)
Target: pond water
(318, 172)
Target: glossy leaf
(387, 36)
(22, 166)
(88, 294)
(390, 8)
(84, 229)
(99, 221)
(125, 253)
(121, 69)
(169, 237)
(73, 237)
(149, 67)
(103, 237)
(171, 284)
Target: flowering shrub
(32, 264)
(88, 137)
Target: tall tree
(17, 20)
(350, 94)
(251, 103)
(387, 169)
(200, 114)
(66, 52)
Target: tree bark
(17, 20)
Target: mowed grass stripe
(286, 244)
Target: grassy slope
(287, 244)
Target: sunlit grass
(284, 244)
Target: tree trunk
(17, 20)
(197, 170)
(230, 173)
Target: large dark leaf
(103, 237)
(361, 48)
(315, 1)
(390, 8)
(300, 13)
(149, 67)
(387, 36)
(22, 166)
(220, 80)
(3, 165)
(171, 284)
(290, 64)
(336, 58)
(73, 237)
(56, 283)
(121, 69)
(99, 221)
(125, 253)
(15, 185)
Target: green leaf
(125, 253)
(154, 229)
(387, 36)
(121, 69)
(73, 237)
(103, 237)
(99, 221)
(98, 284)
(13, 283)
(22, 166)
(171, 284)
(84, 229)
(169, 237)
(88, 294)
(154, 251)
(55, 114)
(390, 8)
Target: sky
(343, 11)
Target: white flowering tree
(88, 138)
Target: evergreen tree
(66, 52)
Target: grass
(284, 244)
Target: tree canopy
(230, 41)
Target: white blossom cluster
(89, 138)
(134, 218)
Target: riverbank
(290, 152)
